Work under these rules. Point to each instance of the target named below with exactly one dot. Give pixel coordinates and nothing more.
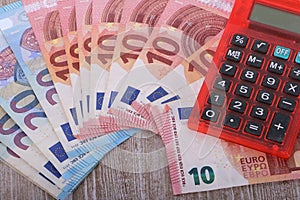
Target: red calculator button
(243, 90)
(295, 73)
(287, 104)
(259, 112)
(276, 67)
(228, 69)
(260, 46)
(278, 128)
(255, 61)
(292, 89)
(265, 97)
(232, 121)
(216, 99)
(210, 114)
(270, 82)
(237, 105)
(253, 128)
(239, 40)
(234, 54)
(249, 75)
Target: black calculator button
(232, 121)
(255, 61)
(239, 40)
(260, 46)
(259, 112)
(216, 99)
(222, 84)
(228, 69)
(295, 73)
(271, 82)
(210, 114)
(237, 106)
(287, 104)
(249, 75)
(292, 89)
(234, 54)
(265, 97)
(253, 128)
(243, 90)
(276, 67)
(278, 127)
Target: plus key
(278, 128)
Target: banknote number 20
(206, 173)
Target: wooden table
(136, 178)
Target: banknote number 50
(207, 175)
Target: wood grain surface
(132, 175)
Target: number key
(265, 97)
(243, 90)
(237, 106)
(228, 69)
(271, 82)
(249, 75)
(222, 84)
(259, 112)
(216, 99)
(210, 114)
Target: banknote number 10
(206, 173)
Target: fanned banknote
(184, 27)
(67, 13)
(16, 162)
(45, 22)
(14, 138)
(22, 40)
(84, 10)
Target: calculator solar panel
(251, 93)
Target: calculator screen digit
(257, 73)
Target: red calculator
(250, 95)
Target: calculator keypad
(261, 84)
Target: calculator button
(253, 128)
(282, 52)
(278, 127)
(239, 40)
(265, 97)
(260, 46)
(255, 61)
(259, 112)
(222, 84)
(232, 121)
(270, 82)
(237, 106)
(295, 73)
(243, 90)
(210, 114)
(297, 59)
(228, 69)
(234, 54)
(292, 89)
(287, 104)
(276, 67)
(216, 99)
(249, 75)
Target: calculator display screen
(276, 18)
